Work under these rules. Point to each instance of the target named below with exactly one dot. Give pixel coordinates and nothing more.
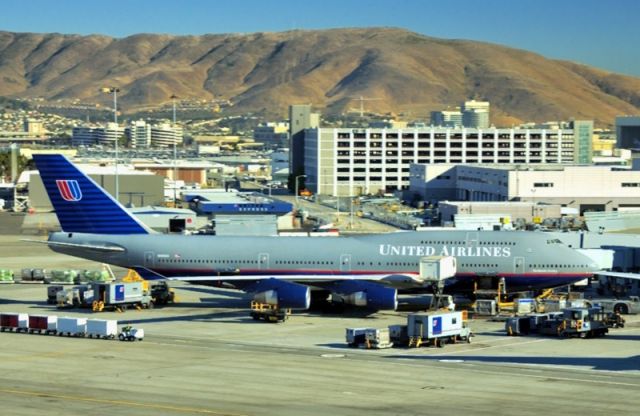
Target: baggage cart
(102, 328)
(47, 324)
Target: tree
(5, 164)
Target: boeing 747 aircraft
(365, 270)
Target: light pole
(175, 153)
(115, 91)
(298, 189)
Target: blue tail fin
(81, 205)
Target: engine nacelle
(367, 294)
(282, 293)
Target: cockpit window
(554, 241)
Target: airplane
(363, 270)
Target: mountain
(403, 72)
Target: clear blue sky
(602, 33)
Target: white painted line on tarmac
(491, 346)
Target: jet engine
(367, 294)
(282, 293)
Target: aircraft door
(472, 239)
(149, 257)
(345, 263)
(518, 265)
(263, 261)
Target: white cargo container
(524, 306)
(47, 324)
(72, 326)
(102, 328)
(437, 268)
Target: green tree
(5, 164)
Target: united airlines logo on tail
(69, 190)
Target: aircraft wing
(95, 247)
(634, 276)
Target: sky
(600, 33)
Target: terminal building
(585, 188)
(351, 162)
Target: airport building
(300, 119)
(35, 128)
(165, 135)
(585, 188)
(91, 135)
(136, 188)
(446, 118)
(452, 211)
(628, 132)
(140, 135)
(351, 162)
(272, 134)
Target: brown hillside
(404, 71)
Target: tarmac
(205, 355)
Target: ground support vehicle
(76, 296)
(398, 334)
(120, 296)
(52, 293)
(437, 328)
(355, 336)
(268, 312)
(161, 293)
(580, 322)
(583, 322)
(368, 338)
(620, 306)
(130, 333)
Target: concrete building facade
(585, 188)
(475, 114)
(349, 162)
(300, 119)
(446, 118)
(139, 134)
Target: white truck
(437, 328)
